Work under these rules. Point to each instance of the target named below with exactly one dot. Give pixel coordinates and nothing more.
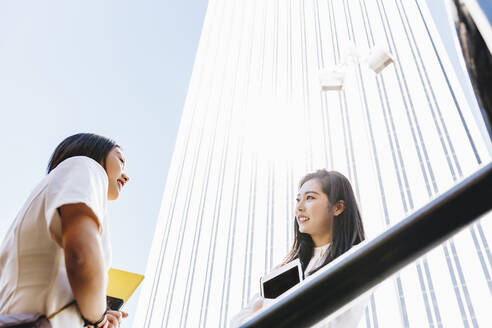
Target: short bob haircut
(82, 144)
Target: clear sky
(117, 68)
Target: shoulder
(80, 162)
(77, 179)
(359, 245)
(79, 167)
(78, 175)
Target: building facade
(255, 121)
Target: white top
(319, 255)
(33, 277)
(347, 319)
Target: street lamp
(377, 59)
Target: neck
(321, 240)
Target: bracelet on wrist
(95, 324)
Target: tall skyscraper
(255, 121)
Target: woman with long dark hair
(56, 254)
(327, 216)
(327, 224)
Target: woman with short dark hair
(56, 254)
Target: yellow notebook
(121, 285)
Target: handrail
(358, 272)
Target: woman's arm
(254, 305)
(84, 259)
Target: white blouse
(33, 276)
(347, 319)
(316, 261)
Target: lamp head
(332, 79)
(378, 58)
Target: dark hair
(82, 144)
(346, 228)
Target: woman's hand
(262, 303)
(258, 304)
(113, 319)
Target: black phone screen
(280, 284)
(114, 303)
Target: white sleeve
(351, 317)
(77, 179)
(246, 313)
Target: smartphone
(281, 279)
(114, 303)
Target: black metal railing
(372, 263)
